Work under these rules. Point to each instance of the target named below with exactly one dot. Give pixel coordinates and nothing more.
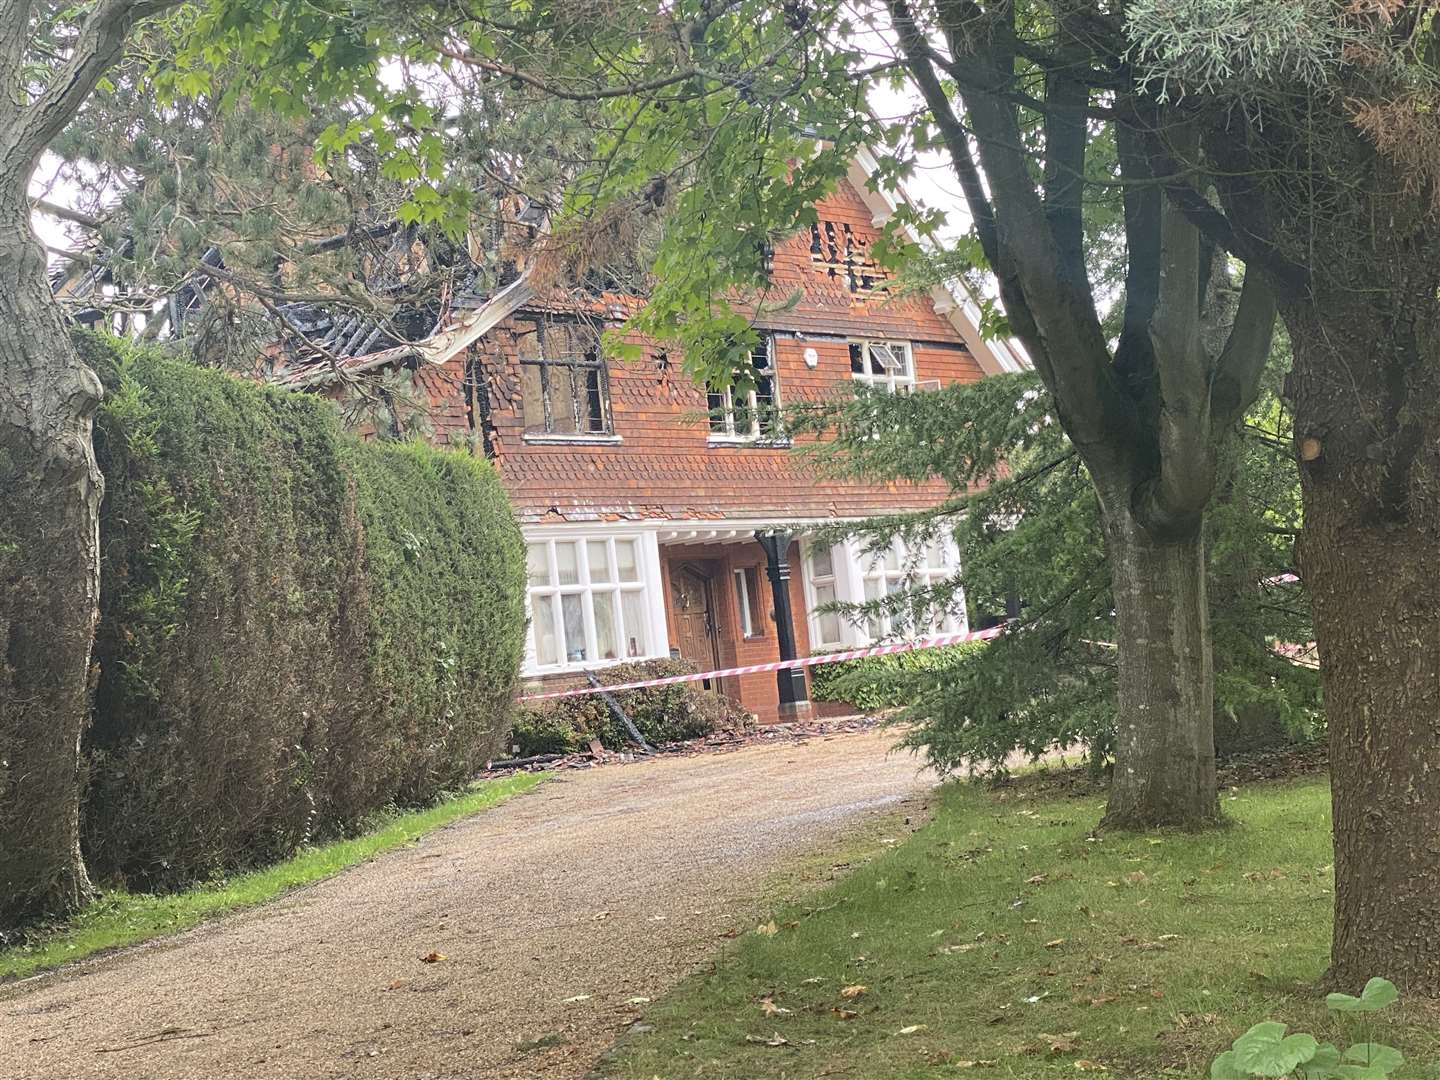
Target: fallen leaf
(638, 1001)
(769, 1008)
(1091, 1066)
(957, 948)
(1038, 879)
(774, 1040)
(600, 916)
(912, 1029)
(432, 958)
(1055, 944)
(1137, 877)
(576, 999)
(844, 1014)
(1061, 1044)
(814, 980)
(850, 993)
(987, 1063)
(1103, 999)
(397, 984)
(768, 929)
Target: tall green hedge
(296, 628)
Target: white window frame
(757, 432)
(650, 608)
(902, 383)
(853, 568)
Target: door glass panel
(605, 639)
(547, 650)
(537, 557)
(627, 559)
(572, 610)
(567, 562)
(632, 606)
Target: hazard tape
(781, 665)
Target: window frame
(591, 363)
(720, 406)
(553, 591)
(813, 584)
(889, 382)
(909, 573)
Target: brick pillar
(794, 698)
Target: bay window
(588, 601)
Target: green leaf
(1376, 1055)
(1265, 1050)
(1360, 1072)
(1324, 1064)
(1377, 994)
(1223, 1068)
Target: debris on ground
(719, 742)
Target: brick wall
(663, 466)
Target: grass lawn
(1004, 940)
(121, 918)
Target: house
(662, 520)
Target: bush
(296, 629)
(663, 714)
(875, 683)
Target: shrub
(663, 714)
(295, 630)
(875, 683)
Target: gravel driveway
(550, 912)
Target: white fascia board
(956, 303)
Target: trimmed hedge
(875, 683)
(296, 628)
(663, 714)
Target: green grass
(121, 918)
(1006, 937)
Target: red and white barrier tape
(781, 665)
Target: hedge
(296, 628)
(875, 683)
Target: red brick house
(663, 520)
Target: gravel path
(612, 883)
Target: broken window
(883, 365)
(564, 387)
(748, 408)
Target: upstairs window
(564, 388)
(748, 409)
(884, 365)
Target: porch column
(791, 682)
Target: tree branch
(1242, 361)
(97, 48)
(66, 213)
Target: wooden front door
(692, 602)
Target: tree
(1025, 517)
(1318, 120)
(52, 56)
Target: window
(747, 601)
(587, 601)
(822, 587)
(748, 408)
(884, 365)
(895, 571)
(564, 388)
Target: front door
(692, 604)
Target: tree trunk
(1366, 391)
(1164, 725)
(50, 492)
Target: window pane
(605, 637)
(572, 610)
(715, 402)
(562, 394)
(567, 562)
(742, 603)
(537, 557)
(857, 358)
(598, 552)
(829, 622)
(937, 555)
(874, 590)
(892, 556)
(877, 358)
(532, 398)
(594, 401)
(632, 606)
(547, 650)
(627, 558)
(822, 563)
